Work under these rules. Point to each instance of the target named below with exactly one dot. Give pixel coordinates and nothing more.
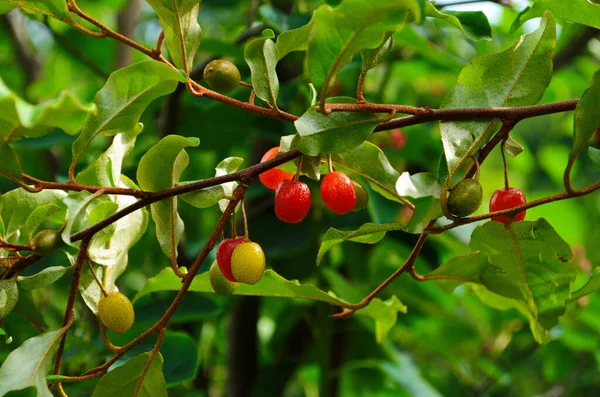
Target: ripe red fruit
(503, 199)
(274, 176)
(397, 139)
(224, 253)
(338, 193)
(292, 201)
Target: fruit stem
(104, 293)
(298, 169)
(502, 147)
(477, 169)
(245, 217)
(233, 225)
(329, 163)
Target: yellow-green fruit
(218, 282)
(46, 242)
(465, 198)
(248, 263)
(362, 197)
(222, 75)
(115, 311)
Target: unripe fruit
(115, 311)
(503, 199)
(362, 197)
(218, 282)
(338, 192)
(46, 242)
(292, 201)
(222, 75)
(465, 197)
(273, 177)
(224, 253)
(248, 263)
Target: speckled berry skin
(362, 197)
(465, 198)
(338, 192)
(224, 253)
(273, 177)
(221, 75)
(115, 311)
(292, 201)
(218, 282)
(503, 199)
(46, 242)
(248, 263)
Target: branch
(576, 46)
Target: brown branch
(153, 353)
(507, 126)
(76, 187)
(238, 195)
(408, 264)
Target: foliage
(102, 113)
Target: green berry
(248, 263)
(46, 242)
(219, 283)
(115, 311)
(465, 198)
(362, 197)
(221, 75)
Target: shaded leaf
(592, 285)
(37, 217)
(474, 24)
(419, 185)
(10, 166)
(125, 380)
(373, 57)
(9, 295)
(579, 11)
(587, 116)
(43, 279)
(595, 157)
(225, 167)
(384, 314)
(293, 40)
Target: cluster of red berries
(293, 198)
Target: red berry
(397, 139)
(224, 254)
(274, 176)
(292, 201)
(338, 193)
(503, 199)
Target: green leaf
(53, 8)
(369, 161)
(37, 217)
(25, 120)
(262, 56)
(131, 379)
(512, 147)
(9, 295)
(459, 270)
(594, 156)
(423, 184)
(587, 116)
(384, 314)
(579, 11)
(28, 364)
(179, 21)
(592, 285)
(43, 279)
(9, 165)
(124, 98)
(18, 204)
(529, 262)
(426, 209)
(173, 159)
(5, 8)
(227, 166)
(369, 233)
(293, 40)
(373, 57)
(180, 353)
(474, 24)
(337, 34)
(515, 77)
(271, 285)
(337, 132)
